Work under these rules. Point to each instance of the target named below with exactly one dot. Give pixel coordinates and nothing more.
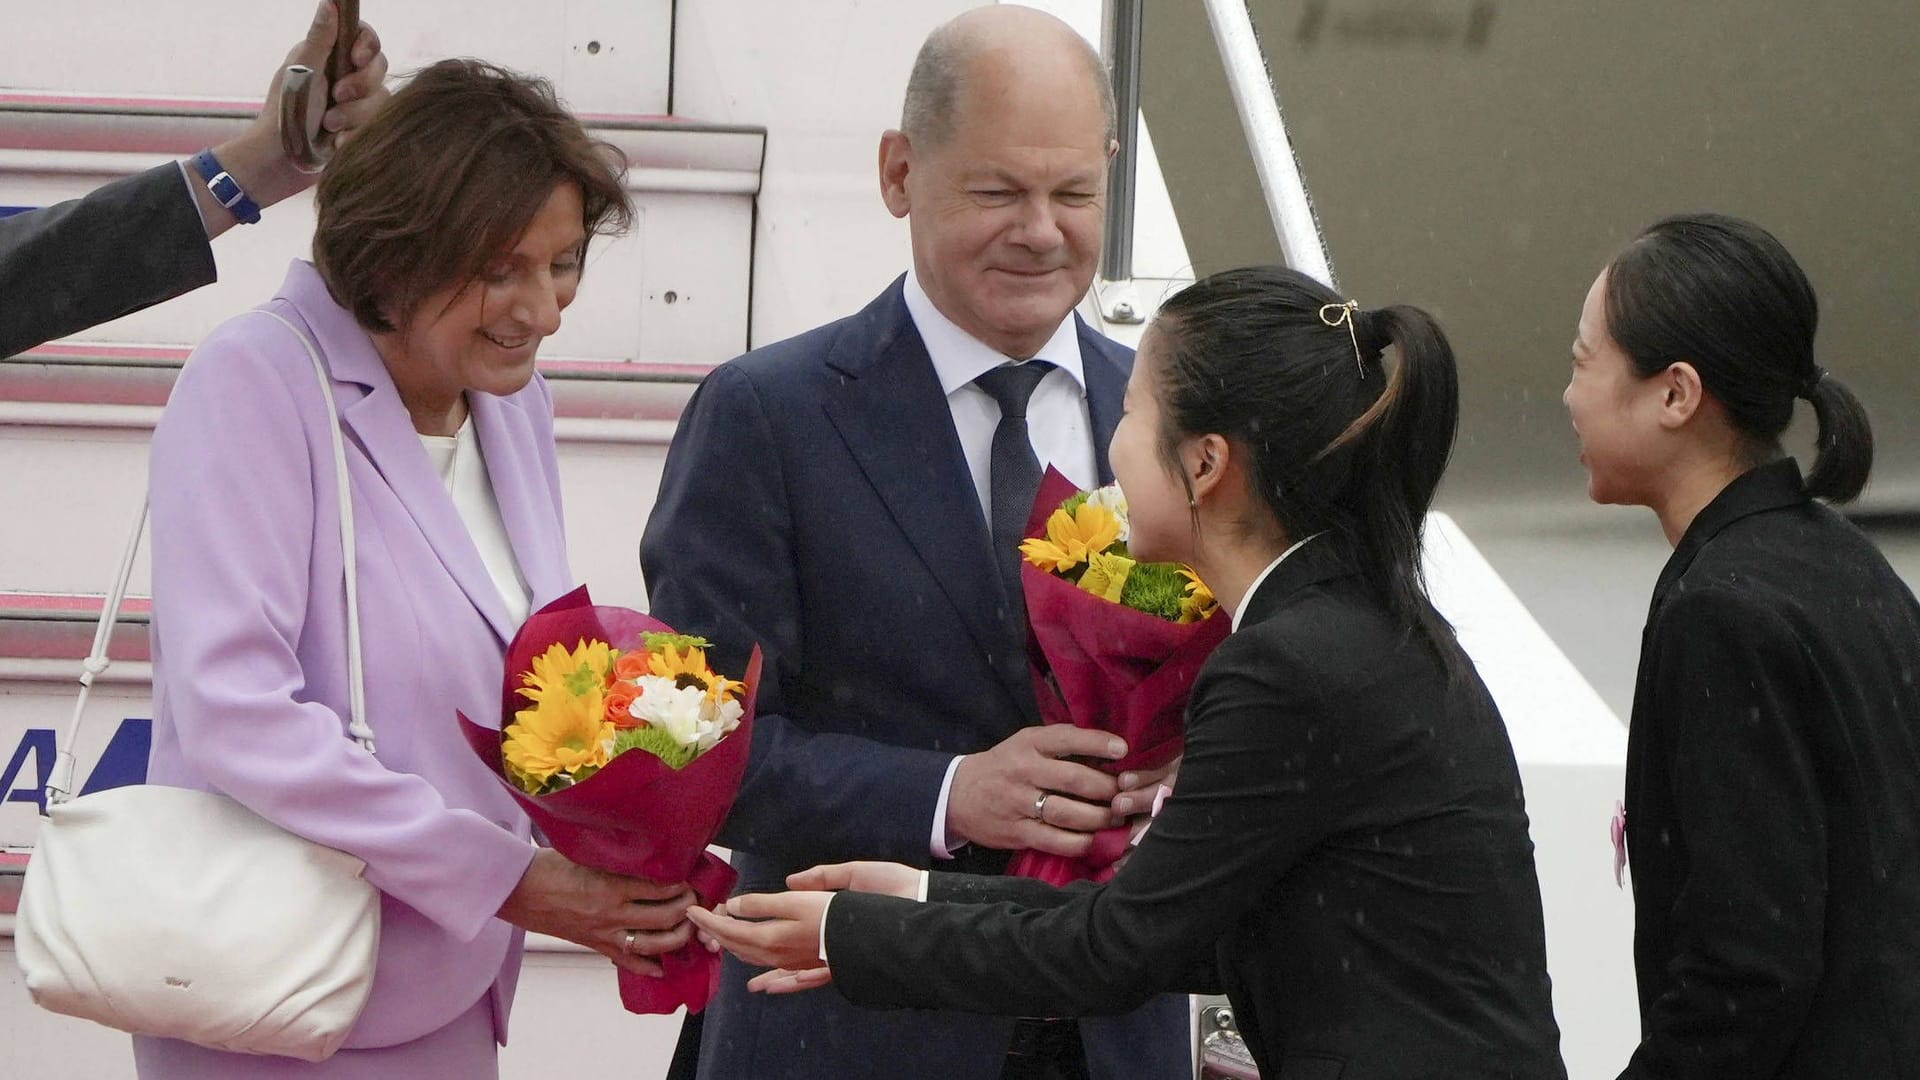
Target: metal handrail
(1121, 21)
(1289, 205)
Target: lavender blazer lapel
(376, 420)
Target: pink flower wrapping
(1102, 666)
(637, 815)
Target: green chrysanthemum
(656, 742)
(1155, 588)
(654, 642)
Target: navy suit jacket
(816, 501)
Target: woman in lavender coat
(452, 231)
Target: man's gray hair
(931, 112)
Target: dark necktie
(1013, 470)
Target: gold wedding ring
(632, 936)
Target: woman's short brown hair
(445, 179)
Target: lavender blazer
(250, 666)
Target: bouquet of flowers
(627, 751)
(1113, 644)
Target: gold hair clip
(1343, 313)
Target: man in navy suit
(843, 498)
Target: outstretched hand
(771, 930)
(885, 878)
(782, 981)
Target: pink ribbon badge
(1619, 833)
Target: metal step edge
(93, 135)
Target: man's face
(1007, 214)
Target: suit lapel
(377, 420)
(898, 428)
(1106, 387)
(1322, 558)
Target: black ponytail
(1724, 295)
(1844, 445)
(1337, 440)
(1409, 446)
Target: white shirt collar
(959, 357)
(1241, 611)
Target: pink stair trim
(178, 354)
(68, 603)
(108, 351)
(246, 109)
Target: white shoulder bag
(177, 913)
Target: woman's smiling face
(483, 334)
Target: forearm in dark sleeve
(126, 246)
(1156, 926)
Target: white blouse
(464, 472)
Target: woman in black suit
(1773, 763)
(1346, 853)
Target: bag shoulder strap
(60, 785)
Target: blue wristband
(226, 190)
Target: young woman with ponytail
(1773, 761)
(1346, 851)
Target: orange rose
(620, 698)
(631, 665)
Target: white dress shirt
(1057, 424)
(1240, 611)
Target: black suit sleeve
(128, 245)
(1257, 790)
(720, 561)
(1200, 973)
(950, 888)
(1749, 917)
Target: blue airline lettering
(123, 762)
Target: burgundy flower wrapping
(636, 816)
(1098, 665)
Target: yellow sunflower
(1072, 537)
(688, 668)
(585, 668)
(563, 733)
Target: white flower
(726, 721)
(686, 713)
(1115, 501)
(672, 709)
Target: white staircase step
(678, 284)
(75, 423)
(602, 55)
